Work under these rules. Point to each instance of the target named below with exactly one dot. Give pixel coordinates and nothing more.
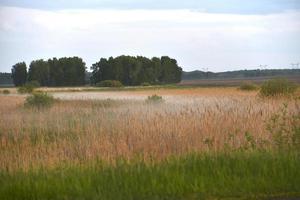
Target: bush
(248, 87)
(39, 100)
(25, 89)
(154, 99)
(109, 83)
(145, 84)
(29, 87)
(277, 87)
(284, 127)
(6, 92)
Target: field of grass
(199, 143)
(229, 82)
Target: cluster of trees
(53, 72)
(71, 71)
(130, 70)
(5, 79)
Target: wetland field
(192, 143)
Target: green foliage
(136, 70)
(25, 89)
(254, 175)
(39, 100)
(109, 83)
(277, 87)
(248, 87)
(154, 99)
(28, 87)
(145, 84)
(284, 128)
(34, 84)
(6, 92)
(54, 72)
(66, 71)
(251, 144)
(39, 71)
(19, 73)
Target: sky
(215, 35)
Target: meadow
(198, 143)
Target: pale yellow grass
(191, 120)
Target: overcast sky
(219, 35)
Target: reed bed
(208, 143)
(78, 131)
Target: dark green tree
(19, 73)
(56, 73)
(170, 73)
(73, 71)
(136, 70)
(39, 71)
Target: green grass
(239, 175)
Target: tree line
(130, 70)
(195, 75)
(53, 72)
(5, 79)
(71, 71)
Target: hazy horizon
(223, 35)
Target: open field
(200, 143)
(229, 82)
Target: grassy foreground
(237, 175)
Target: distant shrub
(28, 87)
(39, 100)
(34, 84)
(277, 87)
(145, 84)
(154, 99)
(248, 87)
(25, 89)
(109, 83)
(5, 91)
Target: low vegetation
(154, 99)
(208, 143)
(25, 89)
(248, 87)
(6, 92)
(277, 87)
(28, 87)
(145, 84)
(284, 128)
(109, 83)
(39, 100)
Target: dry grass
(191, 120)
(181, 96)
